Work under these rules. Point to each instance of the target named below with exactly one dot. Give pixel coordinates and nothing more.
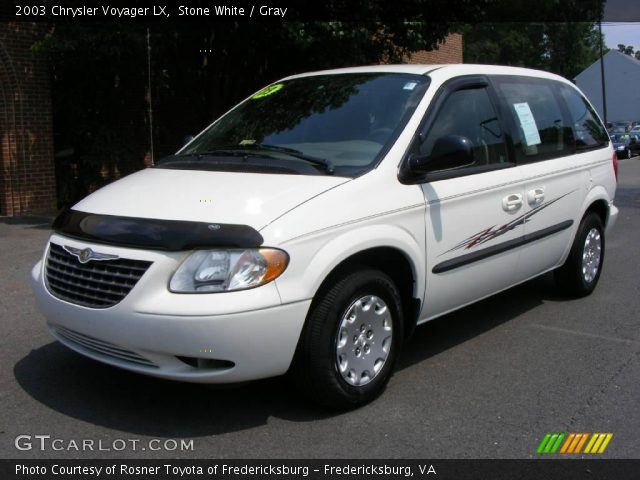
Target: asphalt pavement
(488, 381)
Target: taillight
(614, 159)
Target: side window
(588, 130)
(469, 113)
(541, 128)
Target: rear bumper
(612, 217)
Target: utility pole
(149, 94)
(604, 94)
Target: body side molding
(469, 258)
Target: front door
(475, 214)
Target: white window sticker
(410, 85)
(528, 124)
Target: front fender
(313, 259)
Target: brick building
(449, 51)
(27, 179)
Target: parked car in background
(635, 130)
(626, 145)
(616, 131)
(622, 125)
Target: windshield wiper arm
(321, 162)
(216, 152)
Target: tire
(344, 339)
(628, 154)
(580, 273)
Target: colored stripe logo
(568, 443)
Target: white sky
(627, 33)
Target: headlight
(207, 271)
(620, 147)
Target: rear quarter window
(542, 130)
(587, 127)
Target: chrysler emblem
(85, 255)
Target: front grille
(95, 284)
(101, 347)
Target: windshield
(326, 124)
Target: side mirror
(449, 152)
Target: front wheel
(352, 339)
(580, 273)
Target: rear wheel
(580, 273)
(351, 341)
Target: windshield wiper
(238, 149)
(215, 155)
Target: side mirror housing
(449, 152)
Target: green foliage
(198, 71)
(562, 48)
(626, 49)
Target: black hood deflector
(154, 234)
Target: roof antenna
(149, 94)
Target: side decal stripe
(469, 258)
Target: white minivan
(314, 225)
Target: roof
(611, 54)
(629, 58)
(450, 70)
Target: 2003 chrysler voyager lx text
(315, 224)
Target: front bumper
(232, 337)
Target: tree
(563, 48)
(504, 44)
(198, 71)
(626, 49)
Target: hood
(252, 199)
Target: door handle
(512, 202)
(535, 196)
